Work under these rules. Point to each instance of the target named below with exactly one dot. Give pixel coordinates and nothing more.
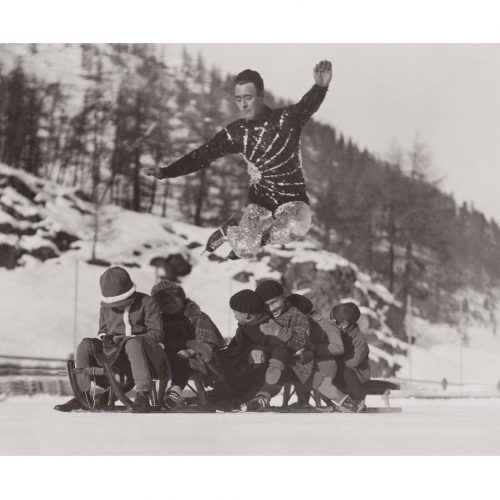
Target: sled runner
(120, 385)
(329, 409)
(373, 387)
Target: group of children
(278, 339)
(291, 342)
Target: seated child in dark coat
(250, 312)
(130, 331)
(191, 338)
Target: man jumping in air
(269, 139)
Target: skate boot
(141, 402)
(98, 401)
(172, 400)
(71, 405)
(258, 403)
(218, 237)
(266, 239)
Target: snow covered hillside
(46, 242)
(65, 63)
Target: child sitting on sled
(289, 321)
(130, 330)
(253, 345)
(325, 341)
(353, 364)
(191, 338)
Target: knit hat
(247, 301)
(347, 311)
(168, 287)
(269, 289)
(117, 288)
(303, 304)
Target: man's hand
(323, 73)
(154, 172)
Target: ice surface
(426, 427)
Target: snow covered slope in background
(37, 303)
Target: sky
(444, 95)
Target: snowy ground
(426, 427)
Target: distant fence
(422, 388)
(23, 375)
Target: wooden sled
(330, 409)
(120, 385)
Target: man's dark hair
(250, 76)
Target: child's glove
(256, 357)
(107, 340)
(203, 349)
(271, 328)
(276, 330)
(111, 345)
(186, 354)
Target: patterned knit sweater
(294, 322)
(271, 147)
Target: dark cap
(347, 311)
(269, 289)
(247, 301)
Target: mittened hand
(107, 340)
(186, 354)
(118, 339)
(271, 328)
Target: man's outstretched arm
(220, 145)
(310, 103)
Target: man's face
(249, 103)
(276, 306)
